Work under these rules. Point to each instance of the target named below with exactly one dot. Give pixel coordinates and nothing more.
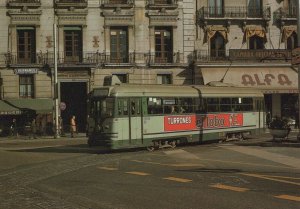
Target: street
(66, 173)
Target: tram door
(135, 121)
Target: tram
(153, 116)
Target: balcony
(22, 3)
(117, 3)
(159, 4)
(164, 58)
(286, 14)
(71, 3)
(237, 13)
(243, 55)
(92, 59)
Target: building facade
(249, 43)
(135, 41)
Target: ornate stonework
(163, 18)
(71, 17)
(119, 17)
(24, 17)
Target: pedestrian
(33, 129)
(14, 128)
(73, 126)
(60, 126)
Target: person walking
(14, 128)
(60, 126)
(73, 126)
(33, 129)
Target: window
(254, 8)
(292, 10)
(292, 41)
(26, 44)
(163, 45)
(216, 8)
(26, 86)
(73, 44)
(217, 46)
(164, 79)
(118, 45)
(256, 42)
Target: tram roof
(182, 90)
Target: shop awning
(269, 79)
(40, 106)
(7, 109)
(255, 31)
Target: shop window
(292, 41)
(119, 45)
(164, 79)
(26, 86)
(26, 48)
(217, 45)
(256, 42)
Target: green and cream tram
(129, 115)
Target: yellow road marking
(108, 168)
(178, 179)
(236, 189)
(171, 165)
(138, 173)
(289, 197)
(270, 178)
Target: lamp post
(56, 134)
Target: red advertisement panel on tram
(209, 121)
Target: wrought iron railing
(94, 58)
(71, 1)
(23, 1)
(233, 12)
(244, 55)
(113, 2)
(286, 13)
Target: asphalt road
(66, 173)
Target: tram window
(185, 105)
(225, 104)
(213, 104)
(125, 107)
(155, 105)
(200, 105)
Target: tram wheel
(173, 144)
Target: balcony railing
(117, 3)
(71, 3)
(157, 4)
(233, 12)
(243, 55)
(93, 58)
(164, 58)
(21, 3)
(290, 13)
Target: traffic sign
(62, 106)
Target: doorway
(74, 95)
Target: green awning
(40, 106)
(7, 109)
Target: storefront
(279, 85)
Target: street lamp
(56, 134)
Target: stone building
(135, 41)
(248, 43)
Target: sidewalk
(266, 140)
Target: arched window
(256, 42)
(292, 41)
(217, 45)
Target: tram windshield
(102, 107)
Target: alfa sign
(296, 56)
